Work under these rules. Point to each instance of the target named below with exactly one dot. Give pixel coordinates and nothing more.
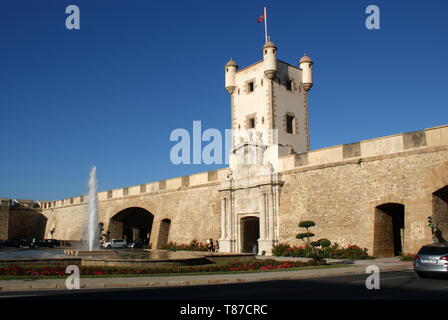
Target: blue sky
(110, 93)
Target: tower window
(251, 123)
(290, 123)
(289, 85)
(250, 86)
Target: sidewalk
(356, 267)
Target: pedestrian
(210, 245)
(216, 246)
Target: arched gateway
(131, 224)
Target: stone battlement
(168, 185)
(365, 150)
(368, 149)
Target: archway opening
(132, 224)
(164, 232)
(440, 213)
(250, 233)
(389, 230)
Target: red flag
(260, 20)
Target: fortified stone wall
(191, 203)
(341, 199)
(339, 188)
(194, 213)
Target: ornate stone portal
(251, 190)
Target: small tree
(305, 236)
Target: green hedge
(334, 251)
(192, 246)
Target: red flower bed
(98, 271)
(35, 271)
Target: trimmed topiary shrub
(306, 224)
(324, 243)
(313, 251)
(306, 238)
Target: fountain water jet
(92, 225)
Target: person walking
(216, 246)
(210, 245)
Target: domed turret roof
(305, 58)
(231, 63)
(269, 44)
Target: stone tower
(269, 120)
(270, 96)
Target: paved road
(394, 285)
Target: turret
(305, 64)
(270, 59)
(230, 70)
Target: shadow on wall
(440, 213)
(25, 223)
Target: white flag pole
(265, 25)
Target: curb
(109, 283)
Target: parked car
(54, 242)
(15, 243)
(46, 243)
(431, 259)
(136, 244)
(114, 243)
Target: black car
(136, 244)
(54, 242)
(15, 243)
(46, 243)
